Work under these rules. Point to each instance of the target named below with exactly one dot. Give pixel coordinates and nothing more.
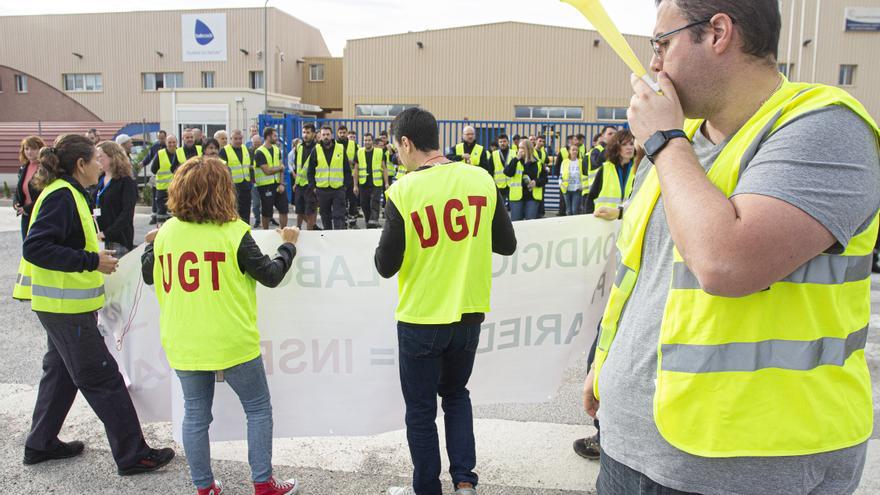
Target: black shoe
(156, 459)
(153, 221)
(273, 222)
(588, 448)
(317, 228)
(62, 451)
(257, 224)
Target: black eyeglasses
(656, 40)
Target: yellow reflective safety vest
(565, 175)
(330, 175)
(447, 212)
(208, 307)
(541, 156)
(476, 153)
(240, 170)
(611, 196)
(780, 372)
(502, 181)
(302, 165)
(181, 155)
(164, 175)
(351, 150)
(272, 160)
(516, 183)
(376, 167)
(53, 291)
(593, 168)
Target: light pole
(265, 57)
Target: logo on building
(203, 33)
(203, 37)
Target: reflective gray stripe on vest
(607, 199)
(56, 293)
(622, 270)
(23, 280)
(752, 356)
(825, 269)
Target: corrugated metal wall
(328, 93)
(831, 47)
(482, 72)
(122, 46)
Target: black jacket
(117, 202)
(19, 191)
(56, 240)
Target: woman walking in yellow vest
(208, 266)
(61, 273)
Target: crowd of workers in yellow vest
(346, 180)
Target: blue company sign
(862, 19)
(203, 34)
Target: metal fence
(556, 132)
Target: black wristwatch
(658, 141)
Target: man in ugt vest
(443, 222)
(731, 357)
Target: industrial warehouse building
(206, 68)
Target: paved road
(522, 448)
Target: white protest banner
(330, 341)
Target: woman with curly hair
(208, 266)
(26, 192)
(115, 199)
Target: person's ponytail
(61, 158)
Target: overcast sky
(341, 20)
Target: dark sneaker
(274, 222)
(153, 221)
(62, 451)
(588, 448)
(156, 459)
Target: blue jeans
(438, 360)
(523, 210)
(572, 202)
(616, 478)
(256, 205)
(248, 381)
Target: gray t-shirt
(825, 163)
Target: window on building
(611, 113)
(83, 82)
(21, 83)
(316, 72)
(256, 78)
(157, 80)
(208, 79)
(552, 113)
(847, 75)
(380, 110)
(786, 69)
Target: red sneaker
(275, 487)
(215, 489)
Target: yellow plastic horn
(598, 17)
